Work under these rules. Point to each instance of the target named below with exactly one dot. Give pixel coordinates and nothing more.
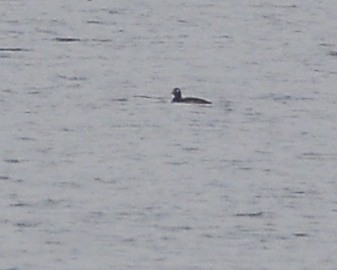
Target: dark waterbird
(192, 100)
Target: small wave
(13, 50)
(27, 224)
(284, 98)
(333, 53)
(301, 234)
(12, 160)
(73, 39)
(72, 78)
(67, 39)
(119, 99)
(191, 149)
(285, 6)
(19, 204)
(147, 97)
(318, 156)
(177, 228)
(94, 22)
(252, 214)
(101, 40)
(159, 99)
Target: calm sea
(99, 170)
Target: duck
(192, 100)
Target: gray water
(99, 170)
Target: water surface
(99, 170)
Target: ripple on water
(26, 224)
(13, 50)
(12, 160)
(19, 204)
(301, 234)
(333, 53)
(283, 98)
(26, 139)
(67, 39)
(250, 214)
(176, 228)
(318, 156)
(119, 100)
